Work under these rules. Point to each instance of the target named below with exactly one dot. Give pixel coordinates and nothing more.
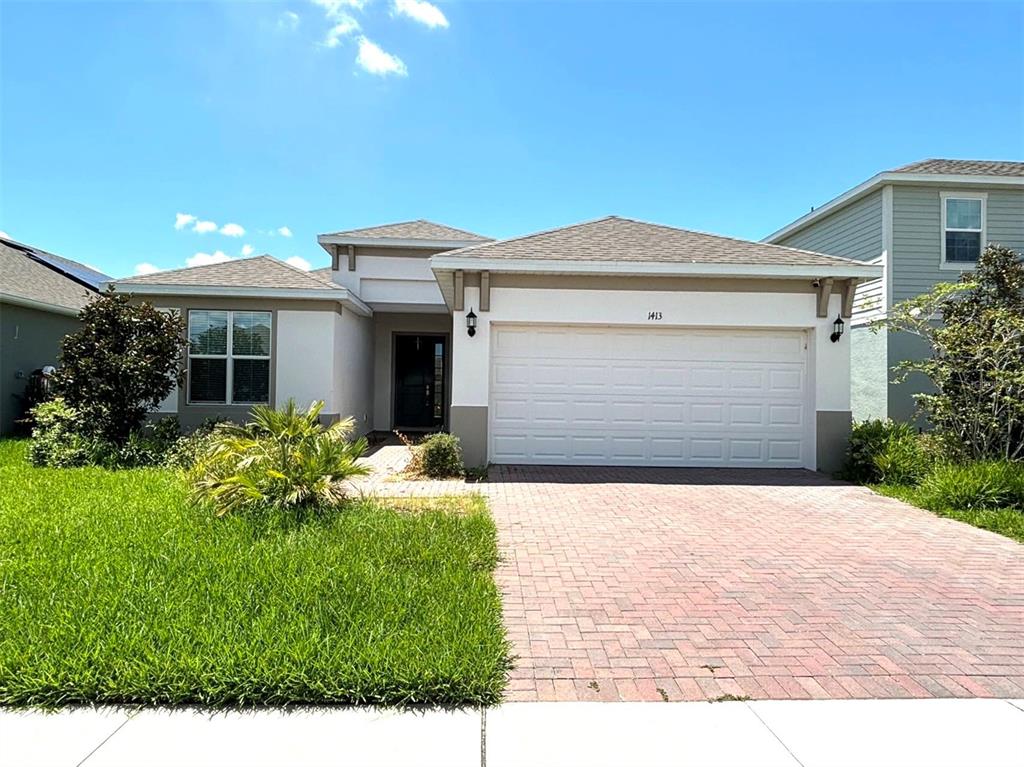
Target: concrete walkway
(903, 733)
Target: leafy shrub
(977, 359)
(281, 460)
(147, 446)
(187, 449)
(440, 455)
(978, 485)
(883, 451)
(55, 439)
(123, 361)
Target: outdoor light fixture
(837, 328)
(471, 323)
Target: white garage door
(666, 397)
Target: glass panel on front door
(419, 381)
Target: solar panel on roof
(76, 271)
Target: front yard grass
(114, 589)
(1007, 521)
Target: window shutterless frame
(980, 197)
(229, 357)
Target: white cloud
(6, 236)
(377, 61)
(204, 259)
(299, 263)
(421, 11)
(202, 227)
(146, 268)
(337, 9)
(288, 20)
(232, 230)
(247, 250)
(181, 220)
(284, 231)
(339, 31)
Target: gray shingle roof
(964, 167)
(412, 230)
(23, 276)
(623, 239)
(256, 272)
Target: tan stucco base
(833, 428)
(469, 424)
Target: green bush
(978, 485)
(124, 359)
(884, 451)
(976, 365)
(60, 441)
(281, 460)
(440, 456)
(188, 448)
(55, 440)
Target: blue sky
(500, 117)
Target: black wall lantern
(837, 328)
(471, 323)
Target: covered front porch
(412, 371)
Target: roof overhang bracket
(849, 291)
(485, 291)
(460, 290)
(824, 292)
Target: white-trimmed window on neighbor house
(963, 227)
(229, 357)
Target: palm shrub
(281, 460)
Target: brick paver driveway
(645, 584)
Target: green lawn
(113, 588)
(1008, 521)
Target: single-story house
(40, 297)
(613, 341)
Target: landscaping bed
(1007, 520)
(114, 588)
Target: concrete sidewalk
(902, 733)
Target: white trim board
(392, 242)
(341, 295)
(443, 263)
(29, 303)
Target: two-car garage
(663, 397)
(619, 342)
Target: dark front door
(419, 382)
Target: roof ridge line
(519, 237)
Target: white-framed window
(229, 357)
(963, 228)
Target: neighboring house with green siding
(40, 297)
(925, 223)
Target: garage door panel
(747, 414)
(785, 380)
(667, 397)
(783, 450)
